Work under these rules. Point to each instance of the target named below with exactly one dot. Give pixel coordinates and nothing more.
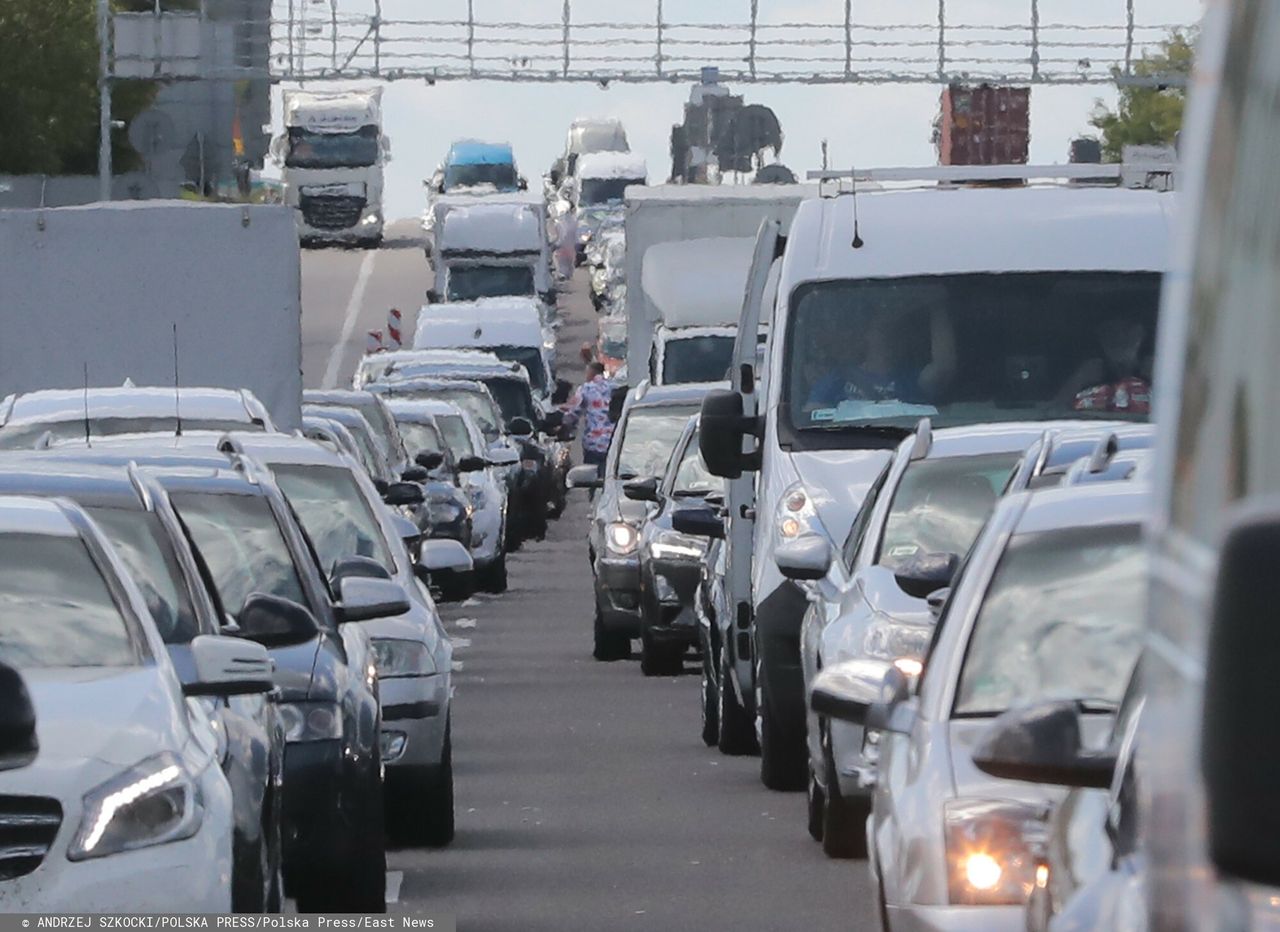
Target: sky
(865, 125)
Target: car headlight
(797, 515)
(372, 219)
(674, 545)
(893, 640)
(395, 657)
(310, 721)
(622, 537)
(990, 845)
(153, 803)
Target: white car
(124, 807)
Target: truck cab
(472, 165)
(587, 135)
(595, 191)
(489, 247)
(333, 152)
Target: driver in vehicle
(1118, 379)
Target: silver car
(1048, 608)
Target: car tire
(817, 808)
(493, 578)
(660, 659)
(359, 884)
(457, 586)
(609, 645)
(844, 821)
(783, 758)
(710, 703)
(437, 821)
(737, 730)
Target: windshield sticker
(823, 414)
(857, 410)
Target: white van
(483, 246)
(962, 304)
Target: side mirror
(1041, 744)
(275, 622)
(922, 575)
(381, 485)
(503, 456)
(520, 427)
(229, 667)
(806, 557)
(1241, 772)
(722, 429)
(357, 566)
(937, 601)
(551, 423)
(472, 464)
(523, 183)
(562, 393)
(700, 522)
(18, 743)
(363, 599)
(429, 460)
(846, 691)
(409, 532)
(641, 490)
(404, 493)
(586, 476)
(415, 474)
(439, 555)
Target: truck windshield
(469, 282)
(332, 150)
(696, 359)
(604, 190)
(502, 175)
(528, 356)
(512, 397)
(969, 348)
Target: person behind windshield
(592, 399)
(1119, 377)
(880, 373)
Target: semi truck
(333, 153)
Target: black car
(135, 514)
(252, 547)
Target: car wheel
(737, 731)
(844, 821)
(609, 645)
(710, 703)
(437, 820)
(275, 858)
(783, 758)
(493, 578)
(359, 883)
(817, 808)
(660, 659)
(456, 586)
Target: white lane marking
(460, 643)
(349, 321)
(465, 623)
(394, 879)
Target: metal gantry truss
(322, 40)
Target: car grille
(332, 213)
(28, 825)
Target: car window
(420, 438)
(147, 552)
(56, 609)
(242, 544)
(853, 543)
(1061, 619)
(649, 435)
(334, 513)
(456, 435)
(941, 504)
(692, 475)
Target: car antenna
(87, 441)
(853, 189)
(177, 392)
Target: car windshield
(147, 551)
(456, 435)
(420, 438)
(696, 359)
(381, 424)
(648, 437)
(970, 348)
(528, 356)
(334, 513)
(1062, 619)
(613, 342)
(242, 545)
(332, 150)
(604, 190)
(502, 175)
(26, 436)
(941, 504)
(479, 406)
(470, 282)
(513, 398)
(692, 475)
(56, 609)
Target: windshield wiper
(895, 431)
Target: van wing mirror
(1041, 743)
(18, 742)
(721, 431)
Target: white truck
(489, 246)
(333, 152)
(716, 216)
(595, 191)
(83, 289)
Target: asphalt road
(585, 797)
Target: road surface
(585, 797)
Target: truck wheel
(609, 645)
(493, 578)
(844, 821)
(783, 758)
(737, 731)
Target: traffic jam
(938, 500)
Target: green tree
(1146, 115)
(49, 89)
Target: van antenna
(177, 392)
(853, 189)
(87, 441)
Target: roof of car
(422, 410)
(133, 401)
(425, 384)
(343, 414)
(977, 439)
(499, 317)
(1091, 505)
(656, 396)
(84, 481)
(22, 515)
(476, 152)
(344, 397)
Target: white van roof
(611, 165)
(492, 229)
(476, 324)
(973, 230)
(697, 282)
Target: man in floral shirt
(592, 399)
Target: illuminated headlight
(990, 844)
(310, 721)
(372, 219)
(584, 236)
(797, 515)
(677, 546)
(154, 803)
(394, 657)
(892, 640)
(622, 537)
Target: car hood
(838, 481)
(296, 669)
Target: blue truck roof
(473, 152)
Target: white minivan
(1020, 301)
